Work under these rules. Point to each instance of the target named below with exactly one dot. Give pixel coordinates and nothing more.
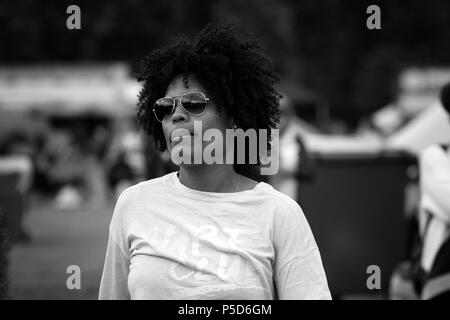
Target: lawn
(59, 239)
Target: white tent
(66, 89)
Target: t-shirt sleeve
(114, 282)
(298, 270)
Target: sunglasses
(193, 103)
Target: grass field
(59, 239)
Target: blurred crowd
(71, 163)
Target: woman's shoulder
(145, 187)
(287, 216)
(135, 196)
(280, 201)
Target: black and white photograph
(225, 150)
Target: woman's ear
(232, 123)
(229, 122)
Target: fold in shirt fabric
(168, 241)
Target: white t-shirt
(435, 187)
(168, 241)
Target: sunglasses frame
(174, 99)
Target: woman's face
(180, 119)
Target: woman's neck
(209, 178)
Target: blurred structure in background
(67, 115)
(418, 118)
(296, 165)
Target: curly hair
(231, 66)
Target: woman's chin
(184, 155)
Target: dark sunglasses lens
(163, 108)
(194, 103)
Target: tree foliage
(324, 44)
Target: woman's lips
(179, 138)
(178, 134)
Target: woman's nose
(179, 114)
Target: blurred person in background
(88, 148)
(69, 167)
(125, 158)
(16, 154)
(295, 160)
(434, 215)
(121, 175)
(209, 231)
(45, 159)
(66, 169)
(426, 273)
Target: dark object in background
(355, 206)
(4, 258)
(445, 97)
(11, 204)
(306, 168)
(120, 171)
(437, 286)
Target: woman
(209, 231)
